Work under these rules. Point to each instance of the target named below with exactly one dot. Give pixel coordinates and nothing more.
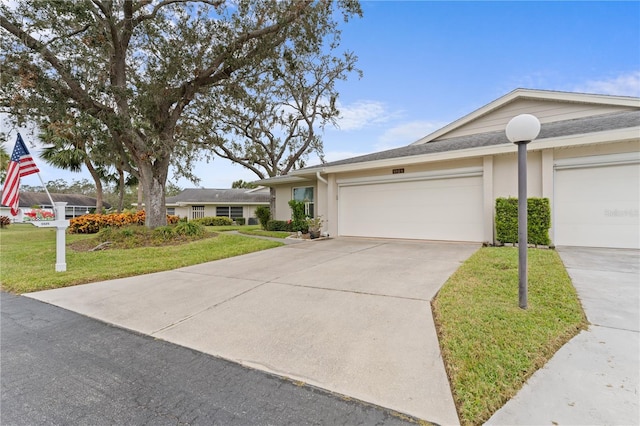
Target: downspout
(321, 179)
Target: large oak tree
(139, 66)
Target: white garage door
(434, 209)
(597, 206)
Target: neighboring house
(232, 203)
(77, 205)
(586, 161)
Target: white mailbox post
(61, 225)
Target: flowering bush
(39, 214)
(92, 223)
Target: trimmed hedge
(93, 223)
(214, 221)
(240, 221)
(279, 225)
(538, 220)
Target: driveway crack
(188, 317)
(352, 291)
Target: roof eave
(225, 203)
(290, 178)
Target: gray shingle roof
(612, 121)
(29, 199)
(205, 195)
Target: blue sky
(427, 63)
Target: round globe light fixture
(523, 128)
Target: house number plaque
(397, 171)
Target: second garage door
(596, 205)
(434, 208)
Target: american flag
(21, 164)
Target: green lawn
(249, 230)
(240, 228)
(490, 346)
(28, 257)
(260, 232)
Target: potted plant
(315, 225)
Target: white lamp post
(521, 130)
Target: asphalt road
(61, 368)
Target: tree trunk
(98, 182)
(140, 196)
(121, 189)
(153, 181)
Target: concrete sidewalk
(349, 315)
(594, 378)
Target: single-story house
(586, 161)
(195, 203)
(77, 205)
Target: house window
(171, 211)
(233, 212)
(305, 194)
(197, 212)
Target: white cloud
(361, 114)
(406, 133)
(627, 84)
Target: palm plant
(69, 149)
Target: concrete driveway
(594, 378)
(349, 315)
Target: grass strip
(262, 233)
(28, 257)
(489, 345)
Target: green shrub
(190, 229)
(240, 220)
(279, 225)
(127, 232)
(106, 234)
(263, 213)
(164, 233)
(538, 220)
(127, 236)
(298, 217)
(214, 221)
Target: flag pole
(53, 206)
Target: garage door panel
(598, 206)
(438, 209)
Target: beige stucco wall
(284, 193)
(182, 211)
(505, 175)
